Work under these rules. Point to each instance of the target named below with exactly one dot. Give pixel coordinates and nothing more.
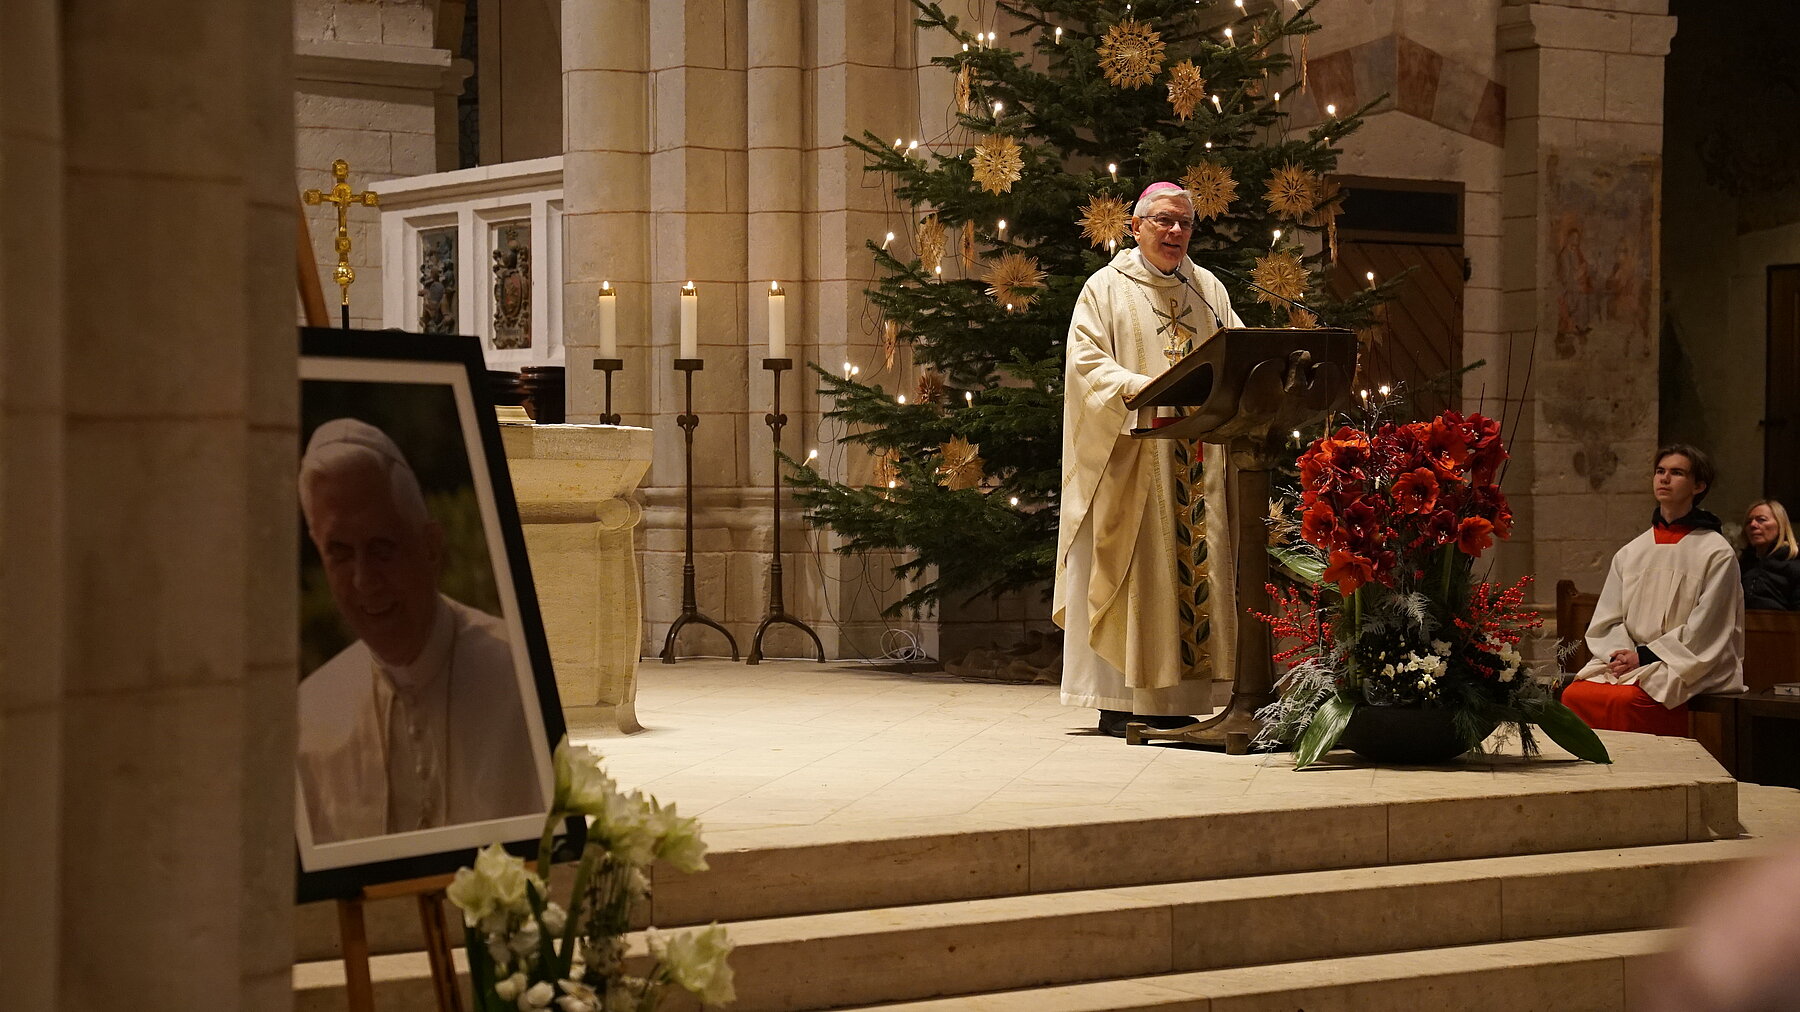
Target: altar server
(1670, 621)
(1116, 586)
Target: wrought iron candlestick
(609, 366)
(690, 610)
(777, 613)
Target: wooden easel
(312, 295)
(358, 987)
(352, 931)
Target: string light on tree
(1330, 109)
(936, 318)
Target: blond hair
(1784, 530)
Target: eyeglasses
(1169, 223)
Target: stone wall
(1581, 274)
(704, 143)
(1723, 228)
(370, 85)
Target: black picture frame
(432, 391)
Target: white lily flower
(510, 988)
(697, 960)
(581, 786)
(538, 997)
(555, 918)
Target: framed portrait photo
(428, 709)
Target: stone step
(829, 868)
(1047, 939)
(1592, 972)
(826, 868)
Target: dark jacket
(1771, 581)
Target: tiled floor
(796, 743)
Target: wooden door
(1781, 415)
(1417, 338)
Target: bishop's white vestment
(1117, 593)
(1684, 601)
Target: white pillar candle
(609, 321)
(690, 315)
(777, 321)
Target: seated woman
(1771, 558)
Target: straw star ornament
(1292, 191)
(1131, 54)
(1014, 280)
(1186, 88)
(997, 163)
(1282, 274)
(961, 464)
(929, 240)
(962, 89)
(1104, 220)
(1213, 188)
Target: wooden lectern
(1246, 389)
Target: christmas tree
(1010, 215)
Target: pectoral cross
(1176, 345)
(342, 196)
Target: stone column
(147, 448)
(33, 635)
(606, 197)
(575, 485)
(1580, 273)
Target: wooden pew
(1754, 735)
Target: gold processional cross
(342, 196)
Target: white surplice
(1685, 602)
(1116, 592)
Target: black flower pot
(1406, 735)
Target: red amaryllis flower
(1474, 536)
(1415, 491)
(1488, 501)
(1359, 524)
(1446, 450)
(1348, 570)
(1403, 446)
(1347, 447)
(1313, 468)
(1439, 530)
(1319, 525)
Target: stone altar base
(886, 838)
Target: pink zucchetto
(1157, 187)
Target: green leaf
(1305, 565)
(1323, 732)
(481, 971)
(1568, 730)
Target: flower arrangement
(1393, 517)
(527, 953)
